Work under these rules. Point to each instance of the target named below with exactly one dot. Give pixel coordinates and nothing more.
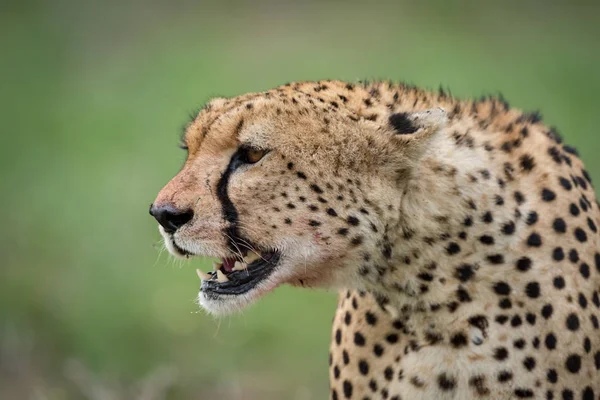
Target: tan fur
(428, 236)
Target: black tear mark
(230, 213)
(401, 124)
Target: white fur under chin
(229, 304)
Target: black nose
(170, 217)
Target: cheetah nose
(170, 217)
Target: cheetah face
(279, 196)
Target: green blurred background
(93, 98)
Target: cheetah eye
(252, 156)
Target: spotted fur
(462, 235)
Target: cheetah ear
(419, 122)
(413, 131)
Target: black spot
(558, 254)
(523, 393)
(580, 235)
(519, 198)
(316, 188)
(573, 363)
(532, 290)
(552, 376)
(402, 124)
(425, 276)
(347, 389)
(357, 240)
(363, 367)
(486, 239)
(532, 218)
(338, 336)
(529, 363)
(548, 195)
(301, 175)
(565, 183)
(487, 217)
(524, 264)
(370, 318)
(555, 154)
(331, 212)
(505, 304)
(592, 225)
(588, 394)
(378, 350)
(464, 272)
(559, 282)
(388, 373)
(392, 338)
(547, 311)
(505, 376)
(312, 222)
(495, 258)
(500, 353)
(531, 318)
(458, 340)
(573, 256)
(534, 240)
(527, 162)
(582, 300)
(373, 385)
(352, 220)
(550, 341)
(502, 288)
(446, 382)
(559, 225)
(453, 248)
(359, 339)
(574, 210)
(516, 321)
(584, 270)
(508, 228)
(572, 322)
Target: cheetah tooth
(217, 266)
(238, 266)
(250, 258)
(203, 275)
(221, 277)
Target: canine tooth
(217, 266)
(251, 258)
(203, 275)
(221, 277)
(238, 266)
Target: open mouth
(234, 277)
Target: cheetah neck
(430, 245)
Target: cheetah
(462, 235)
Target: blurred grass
(94, 96)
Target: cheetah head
(285, 188)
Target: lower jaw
(242, 281)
